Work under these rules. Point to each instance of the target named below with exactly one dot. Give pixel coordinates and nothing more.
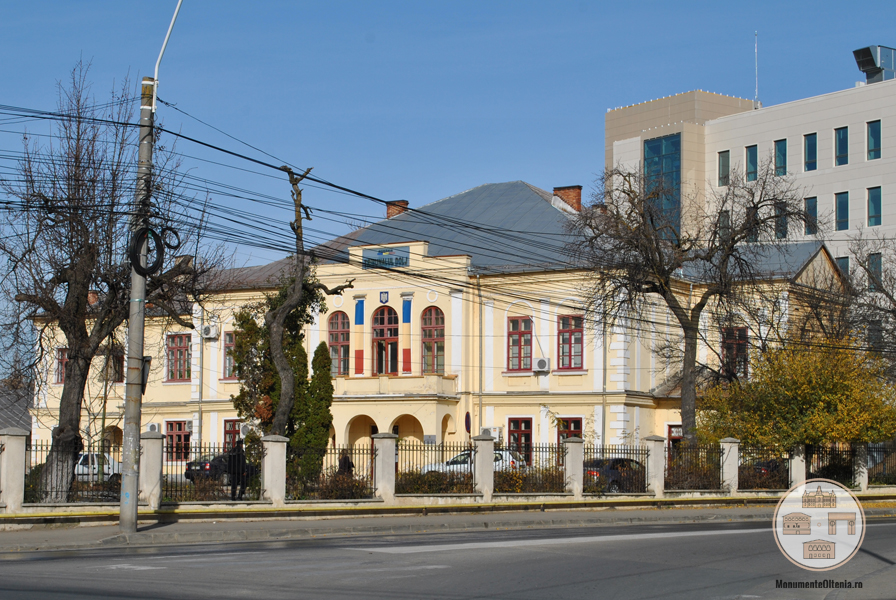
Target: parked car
(616, 475)
(88, 467)
(207, 467)
(461, 463)
(214, 467)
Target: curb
(269, 535)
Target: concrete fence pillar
(484, 465)
(575, 466)
(730, 463)
(273, 469)
(798, 464)
(12, 468)
(384, 465)
(862, 467)
(149, 483)
(656, 465)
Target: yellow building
(466, 312)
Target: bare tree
(872, 284)
(64, 246)
(642, 241)
(299, 285)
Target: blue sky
(421, 100)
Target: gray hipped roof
(766, 261)
(509, 225)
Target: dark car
(215, 467)
(615, 475)
(207, 467)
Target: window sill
(177, 382)
(227, 380)
(517, 373)
(569, 372)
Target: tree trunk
(689, 384)
(276, 321)
(58, 472)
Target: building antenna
(756, 58)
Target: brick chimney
(395, 208)
(572, 195)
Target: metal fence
(72, 473)
(210, 472)
(836, 462)
(610, 469)
(331, 473)
(882, 463)
(694, 467)
(763, 468)
(542, 469)
(445, 468)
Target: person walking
(236, 467)
(346, 466)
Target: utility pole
(130, 452)
(137, 363)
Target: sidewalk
(187, 532)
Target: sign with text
(385, 258)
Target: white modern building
(840, 147)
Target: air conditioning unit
(495, 432)
(541, 365)
(245, 430)
(153, 428)
(189, 425)
(210, 332)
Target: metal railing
(72, 473)
(836, 462)
(693, 467)
(542, 469)
(610, 469)
(882, 463)
(331, 473)
(763, 468)
(445, 468)
(210, 472)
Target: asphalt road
(719, 560)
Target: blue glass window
(781, 157)
(841, 210)
(780, 220)
(724, 167)
(752, 163)
(810, 152)
(811, 215)
(843, 264)
(873, 140)
(841, 146)
(662, 170)
(873, 206)
(874, 271)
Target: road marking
(551, 541)
(199, 557)
(126, 567)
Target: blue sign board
(385, 258)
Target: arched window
(433, 340)
(338, 327)
(385, 341)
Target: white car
(88, 467)
(504, 460)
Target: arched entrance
(359, 430)
(448, 429)
(407, 427)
